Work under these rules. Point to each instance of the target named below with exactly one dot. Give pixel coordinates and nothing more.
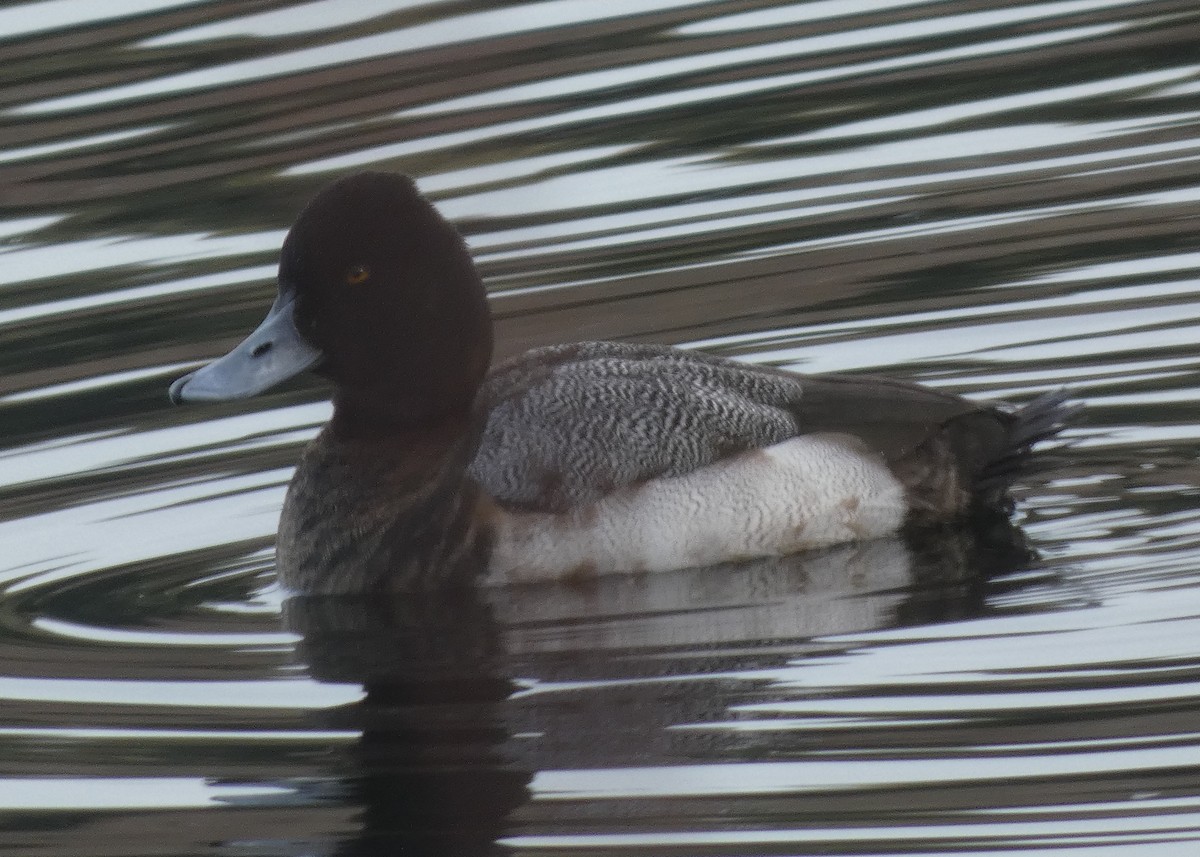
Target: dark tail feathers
(1038, 420)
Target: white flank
(808, 492)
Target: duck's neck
(422, 381)
(394, 413)
(384, 506)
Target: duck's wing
(567, 425)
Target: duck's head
(378, 293)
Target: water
(996, 199)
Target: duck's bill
(274, 352)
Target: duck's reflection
(931, 575)
(449, 746)
(430, 770)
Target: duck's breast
(807, 492)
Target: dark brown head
(378, 293)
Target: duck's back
(568, 425)
(605, 457)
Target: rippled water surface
(992, 198)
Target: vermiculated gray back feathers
(568, 424)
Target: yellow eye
(357, 274)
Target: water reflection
(429, 771)
(466, 693)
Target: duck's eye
(357, 274)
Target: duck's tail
(1039, 420)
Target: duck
(578, 459)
